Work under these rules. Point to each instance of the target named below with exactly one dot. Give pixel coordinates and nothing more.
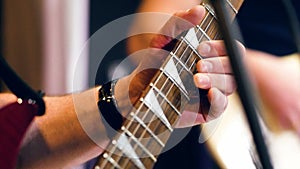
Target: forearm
(71, 132)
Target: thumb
(178, 23)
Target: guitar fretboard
(149, 125)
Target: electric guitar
(230, 140)
(149, 125)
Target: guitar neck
(149, 125)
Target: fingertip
(204, 48)
(193, 15)
(202, 81)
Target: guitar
(14, 121)
(140, 140)
(16, 117)
(231, 144)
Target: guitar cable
(245, 88)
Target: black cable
(13, 81)
(245, 89)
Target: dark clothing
(264, 26)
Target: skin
(62, 137)
(277, 79)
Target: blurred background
(42, 40)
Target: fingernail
(204, 48)
(203, 81)
(206, 66)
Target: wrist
(107, 105)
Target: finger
(216, 48)
(214, 65)
(225, 83)
(218, 102)
(178, 23)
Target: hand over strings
(213, 73)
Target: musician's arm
(57, 138)
(72, 132)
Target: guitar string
(185, 62)
(188, 57)
(172, 85)
(166, 81)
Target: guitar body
(14, 121)
(229, 140)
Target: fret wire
(136, 140)
(148, 110)
(112, 161)
(128, 125)
(213, 28)
(105, 160)
(194, 62)
(156, 81)
(232, 7)
(172, 84)
(180, 71)
(145, 113)
(182, 55)
(169, 127)
(209, 9)
(192, 50)
(154, 116)
(179, 58)
(188, 57)
(140, 121)
(108, 158)
(205, 18)
(166, 99)
(178, 85)
(203, 32)
(182, 64)
(176, 50)
(130, 122)
(184, 52)
(114, 146)
(190, 54)
(139, 110)
(109, 154)
(191, 47)
(202, 23)
(200, 40)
